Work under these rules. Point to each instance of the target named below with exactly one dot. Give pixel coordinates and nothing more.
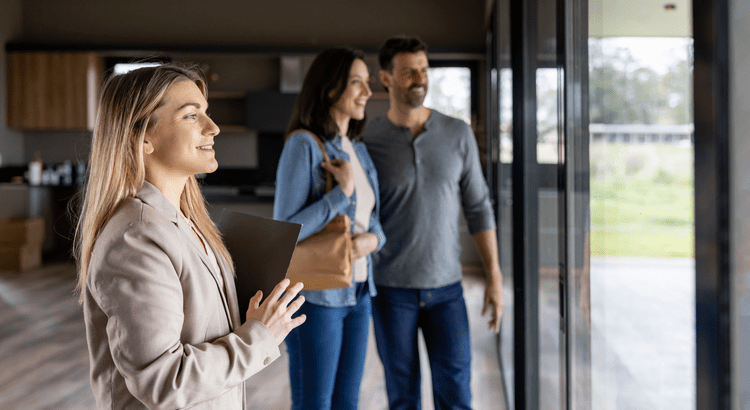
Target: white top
(364, 206)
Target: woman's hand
(363, 244)
(342, 173)
(277, 314)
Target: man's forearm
(486, 243)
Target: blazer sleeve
(135, 279)
(294, 186)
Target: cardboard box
(21, 232)
(20, 258)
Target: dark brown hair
(324, 83)
(398, 44)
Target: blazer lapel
(234, 308)
(152, 196)
(198, 247)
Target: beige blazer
(162, 332)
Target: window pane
(450, 92)
(642, 245)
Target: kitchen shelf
(228, 110)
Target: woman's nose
(210, 127)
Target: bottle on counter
(66, 173)
(36, 169)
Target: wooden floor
(44, 361)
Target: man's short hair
(399, 44)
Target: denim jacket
(301, 198)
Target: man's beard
(414, 99)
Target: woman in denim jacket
(327, 355)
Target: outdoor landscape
(641, 191)
(641, 200)
(642, 223)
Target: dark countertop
(234, 194)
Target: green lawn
(641, 201)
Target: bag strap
(329, 177)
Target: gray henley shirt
(424, 182)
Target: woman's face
(351, 104)
(181, 142)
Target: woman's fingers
(342, 173)
(329, 166)
(291, 293)
(294, 306)
(255, 300)
(277, 291)
(297, 321)
(254, 303)
(337, 166)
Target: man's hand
(486, 242)
(493, 300)
(277, 313)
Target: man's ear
(385, 78)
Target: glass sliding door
(537, 80)
(594, 192)
(642, 224)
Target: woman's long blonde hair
(116, 170)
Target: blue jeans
(327, 354)
(441, 314)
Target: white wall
(739, 116)
(11, 142)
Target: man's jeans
(441, 314)
(327, 354)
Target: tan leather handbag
(324, 260)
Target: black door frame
(712, 239)
(520, 25)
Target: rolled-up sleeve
(135, 280)
(475, 195)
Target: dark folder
(261, 249)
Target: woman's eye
(191, 116)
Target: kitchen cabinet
(53, 90)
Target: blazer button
(267, 361)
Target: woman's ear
(148, 148)
(332, 93)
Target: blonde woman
(156, 281)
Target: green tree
(624, 90)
